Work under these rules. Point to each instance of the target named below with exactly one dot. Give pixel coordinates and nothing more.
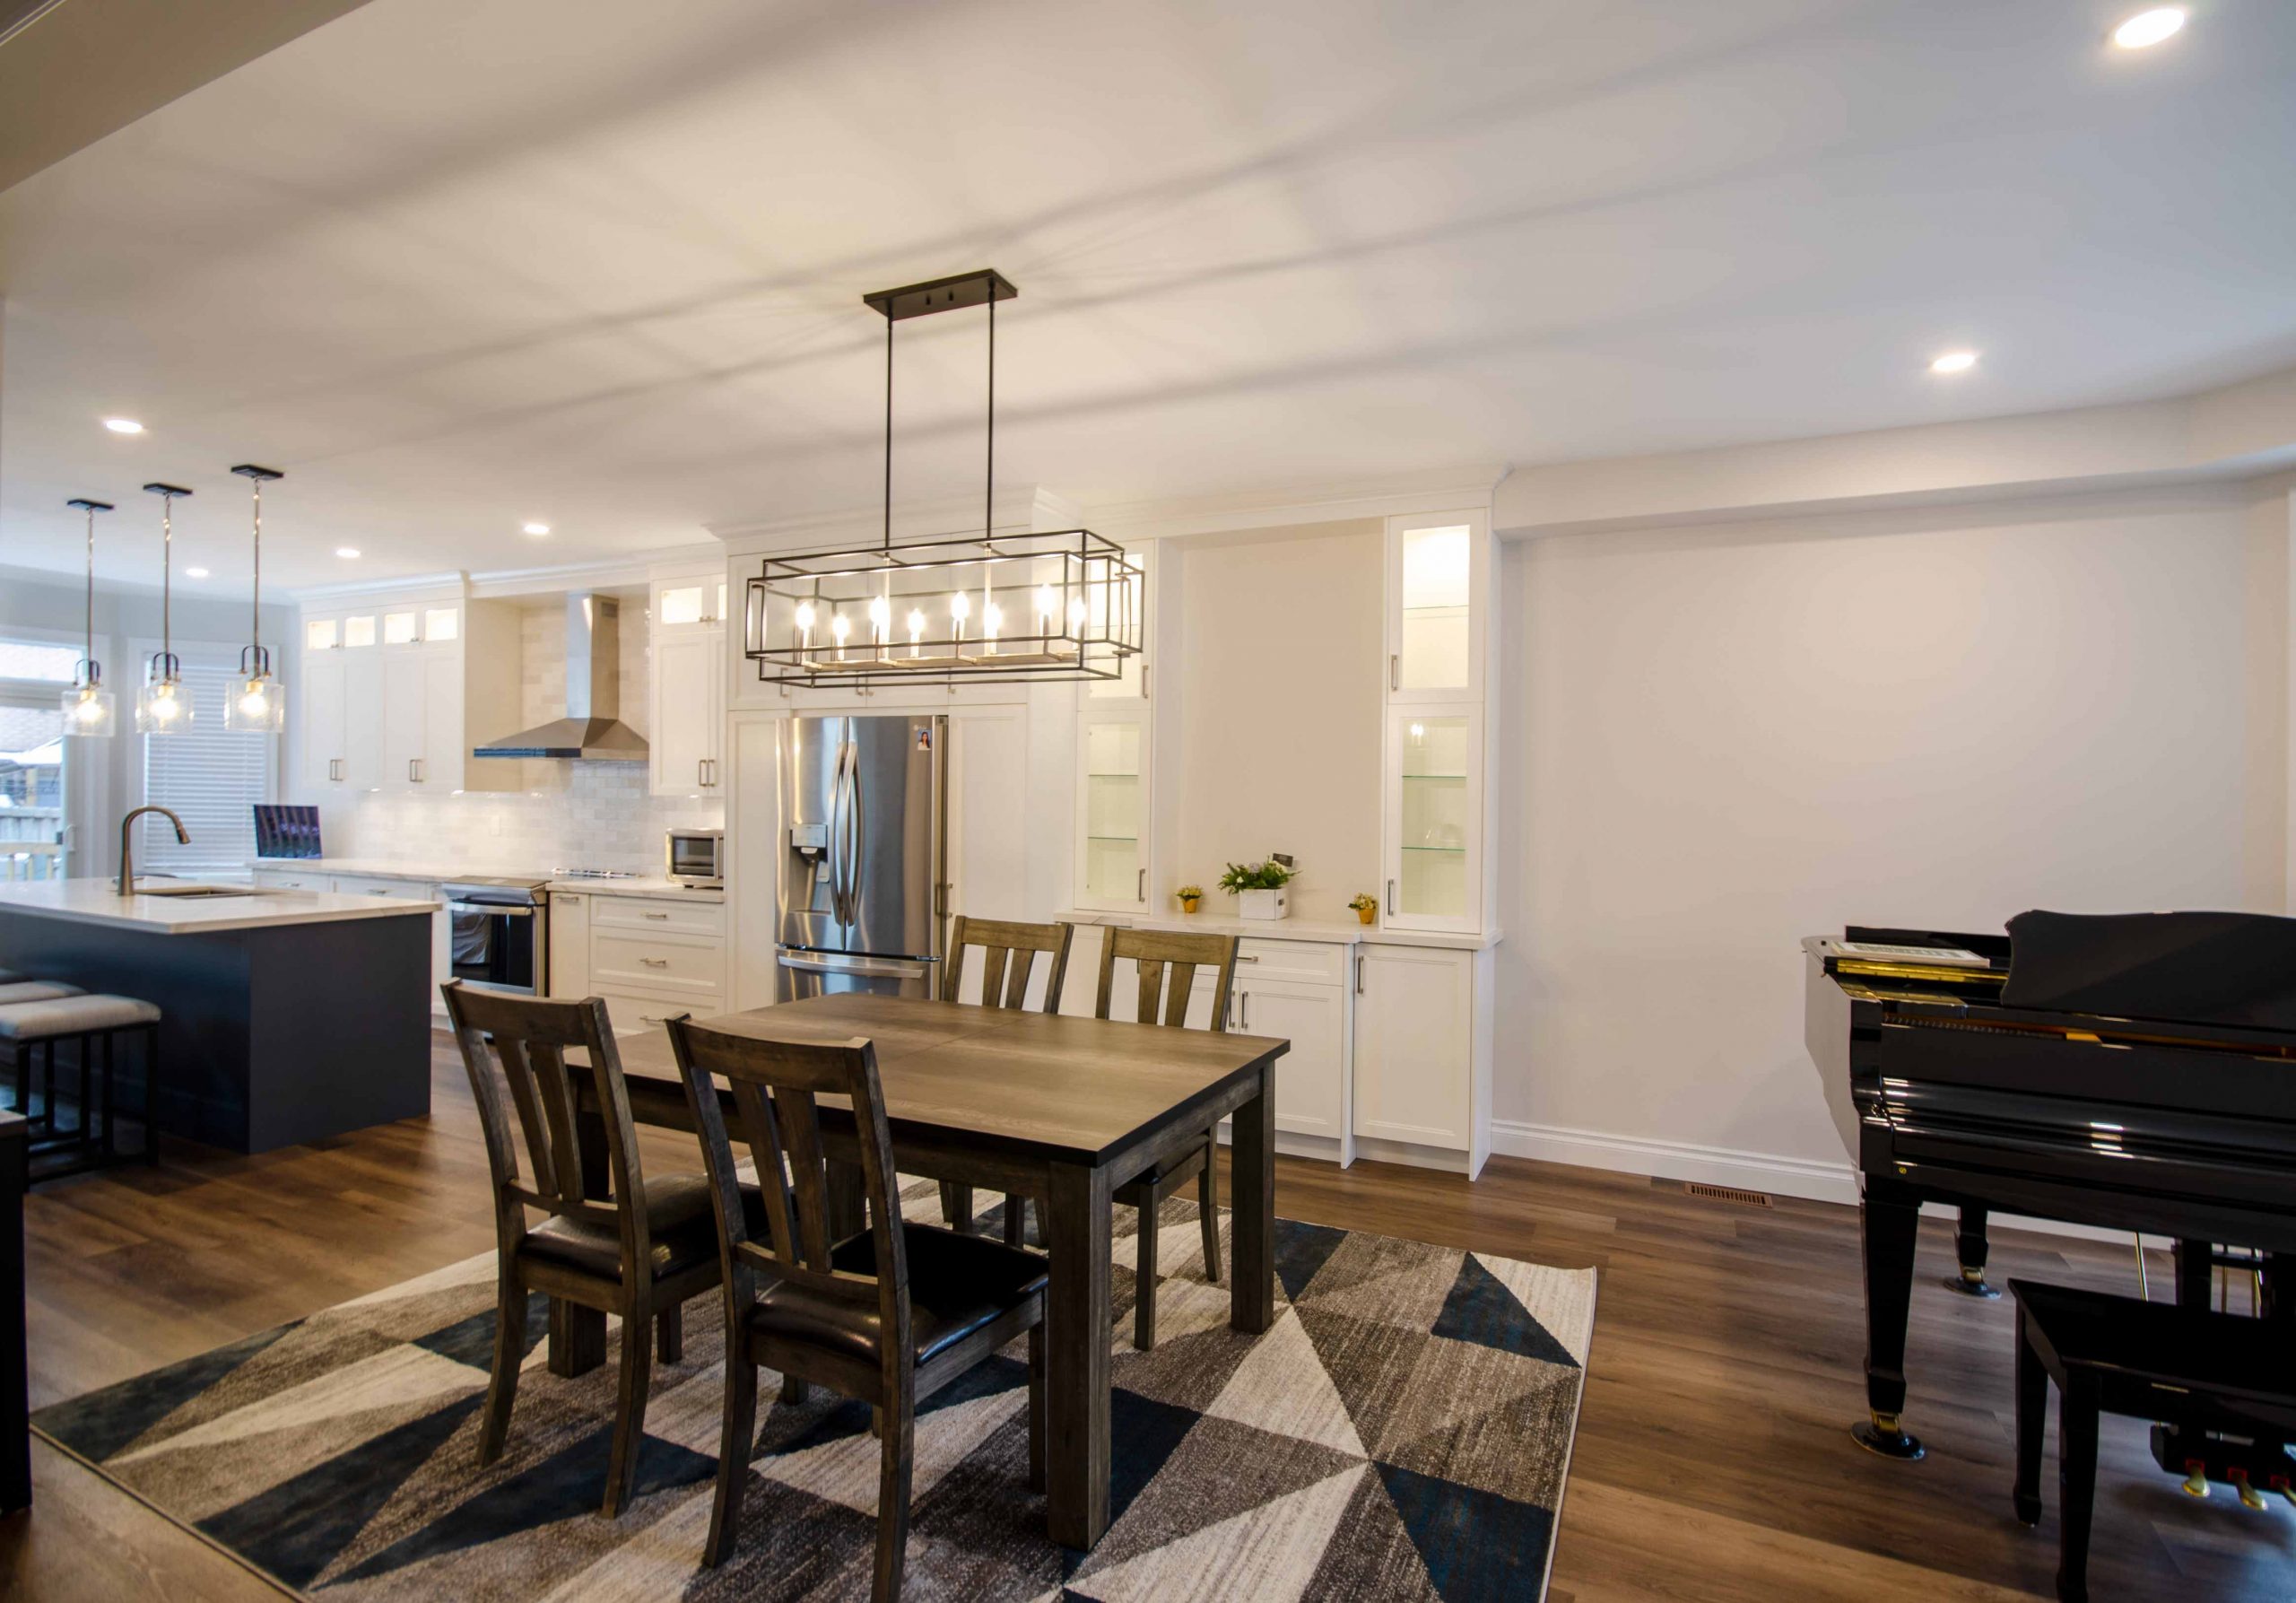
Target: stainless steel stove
(501, 932)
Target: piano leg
(1969, 1247)
(1888, 1221)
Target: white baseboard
(1811, 1178)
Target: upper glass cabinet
(1434, 833)
(1112, 843)
(1438, 573)
(685, 603)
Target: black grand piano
(2137, 1072)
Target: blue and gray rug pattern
(1402, 1432)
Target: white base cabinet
(651, 958)
(1422, 1050)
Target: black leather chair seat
(678, 1221)
(957, 1283)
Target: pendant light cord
(255, 624)
(889, 435)
(988, 490)
(168, 580)
(91, 589)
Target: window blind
(209, 777)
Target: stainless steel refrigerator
(864, 891)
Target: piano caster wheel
(1970, 1282)
(2197, 1481)
(1883, 1435)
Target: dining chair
(1154, 953)
(1008, 963)
(888, 1316)
(639, 1253)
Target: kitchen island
(290, 1016)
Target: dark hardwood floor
(1713, 1460)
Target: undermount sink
(191, 891)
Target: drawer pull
(665, 917)
(655, 963)
(1245, 957)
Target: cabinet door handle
(1391, 899)
(1395, 671)
(1140, 891)
(1359, 973)
(1247, 996)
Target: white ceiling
(457, 265)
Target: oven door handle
(489, 911)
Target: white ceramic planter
(1262, 904)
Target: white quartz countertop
(99, 902)
(1349, 932)
(447, 873)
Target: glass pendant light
(163, 704)
(88, 705)
(258, 702)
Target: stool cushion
(35, 990)
(72, 1016)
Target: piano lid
(2227, 969)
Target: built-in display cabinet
(1115, 867)
(1434, 754)
(686, 688)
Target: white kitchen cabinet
(686, 737)
(1421, 1073)
(569, 944)
(326, 727)
(381, 706)
(1114, 844)
(1311, 1079)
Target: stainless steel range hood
(592, 728)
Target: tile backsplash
(569, 814)
(601, 817)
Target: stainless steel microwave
(696, 858)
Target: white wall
(1718, 740)
(1280, 678)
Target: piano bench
(2190, 1367)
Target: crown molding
(413, 586)
(1468, 488)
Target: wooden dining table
(1059, 1109)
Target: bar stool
(87, 1021)
(15, 988)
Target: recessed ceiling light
(122, 426)
(537, 528)
(194, 573)
(1955, 361)
(2148, 28)
(347, 553)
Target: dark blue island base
(271, 1036)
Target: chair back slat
(1008, 960)
(777, 1086)
(519, 1045)
(1154, 952)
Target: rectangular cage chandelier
(987, 607)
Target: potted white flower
(1258, 888)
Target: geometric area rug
(1403, 1430)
